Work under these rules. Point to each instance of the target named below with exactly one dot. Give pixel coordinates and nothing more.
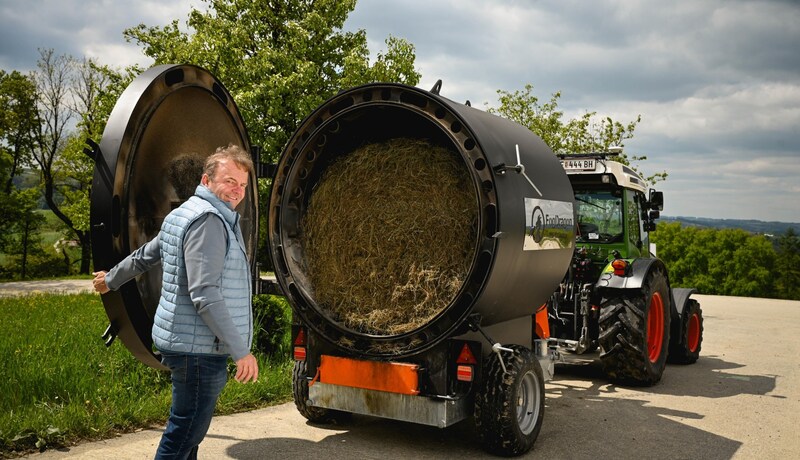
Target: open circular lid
(168, 120)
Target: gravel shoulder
(18, 288)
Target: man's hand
(99, 282)
(247, 369)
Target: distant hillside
(753, 226)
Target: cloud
(92, 29)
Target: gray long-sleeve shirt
(204, 253)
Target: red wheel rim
(655, 327)
(693, 333)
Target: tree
(88, 83)
(25, 237)
(52, 80)
(66, 88)
(719, 262)
(18, 117)
(787, 266)
(752, 262)
(578, 135)
(394, 65)
(279, 60)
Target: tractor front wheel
(509, 406)
(685, 349)
(634, 332)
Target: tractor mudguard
(639, 269)
(680, 296)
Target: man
(204, 314)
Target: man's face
(229, 182)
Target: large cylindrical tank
(525, 223)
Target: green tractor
(616, 298)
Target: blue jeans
(197, 381)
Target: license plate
(578, 165)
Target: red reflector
(464, 373)
(301, 337)
(619, 266)
(466, 356)
(299, 353)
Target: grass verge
(60, 385)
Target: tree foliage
(787, 265)
(18, 120)
(66, 89)
(24, 240)
(88, 85)
(279, 60)
(18, 117)
(730, 261)
(583, 134)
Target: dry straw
(389, 235)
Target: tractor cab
(613, 206)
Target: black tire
(634, 332)
(300, 393)
(685, 349)
(509, 406)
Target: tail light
(299, 346)
(620, 267)
(465, 365)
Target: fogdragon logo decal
(548, 225)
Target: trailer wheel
(634, 332)
(685, 349)
(300, 393)
(509, 406)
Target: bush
(47, 266)
(272, 320)
(38, 266)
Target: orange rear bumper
(392, 377)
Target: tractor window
(599, 216)
(634, 222)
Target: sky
(716, 83)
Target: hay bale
(389, 235)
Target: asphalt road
(740, 400)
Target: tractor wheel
(685, 349)
(634, 333)
(300, 393)
(509, 406)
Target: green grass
(61, 385)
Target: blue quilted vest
(177, 326)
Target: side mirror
(653, 215)
(656, 200)
(649, 226)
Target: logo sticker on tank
(548, 225)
